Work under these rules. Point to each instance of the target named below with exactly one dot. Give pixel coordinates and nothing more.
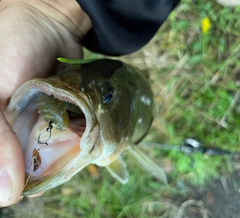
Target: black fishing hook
(47, 129)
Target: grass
(195, 78)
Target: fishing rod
(190, 146)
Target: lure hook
(47, 129)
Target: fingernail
(6, 188)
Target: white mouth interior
(61, 148)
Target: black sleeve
(123, 26)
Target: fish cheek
(115, 120)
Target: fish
(87, 113)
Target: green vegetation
(75, 61)
(195, 76)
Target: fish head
(111, 96)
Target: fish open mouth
(47, 149)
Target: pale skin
(33, 34)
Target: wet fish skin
(117, 103)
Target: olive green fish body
(97, 110)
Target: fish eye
(108, 98)
(107, 92)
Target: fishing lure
(51, 109)
(57, 112)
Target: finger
(12, 170)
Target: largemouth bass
(85, 114)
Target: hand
(33, 34)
